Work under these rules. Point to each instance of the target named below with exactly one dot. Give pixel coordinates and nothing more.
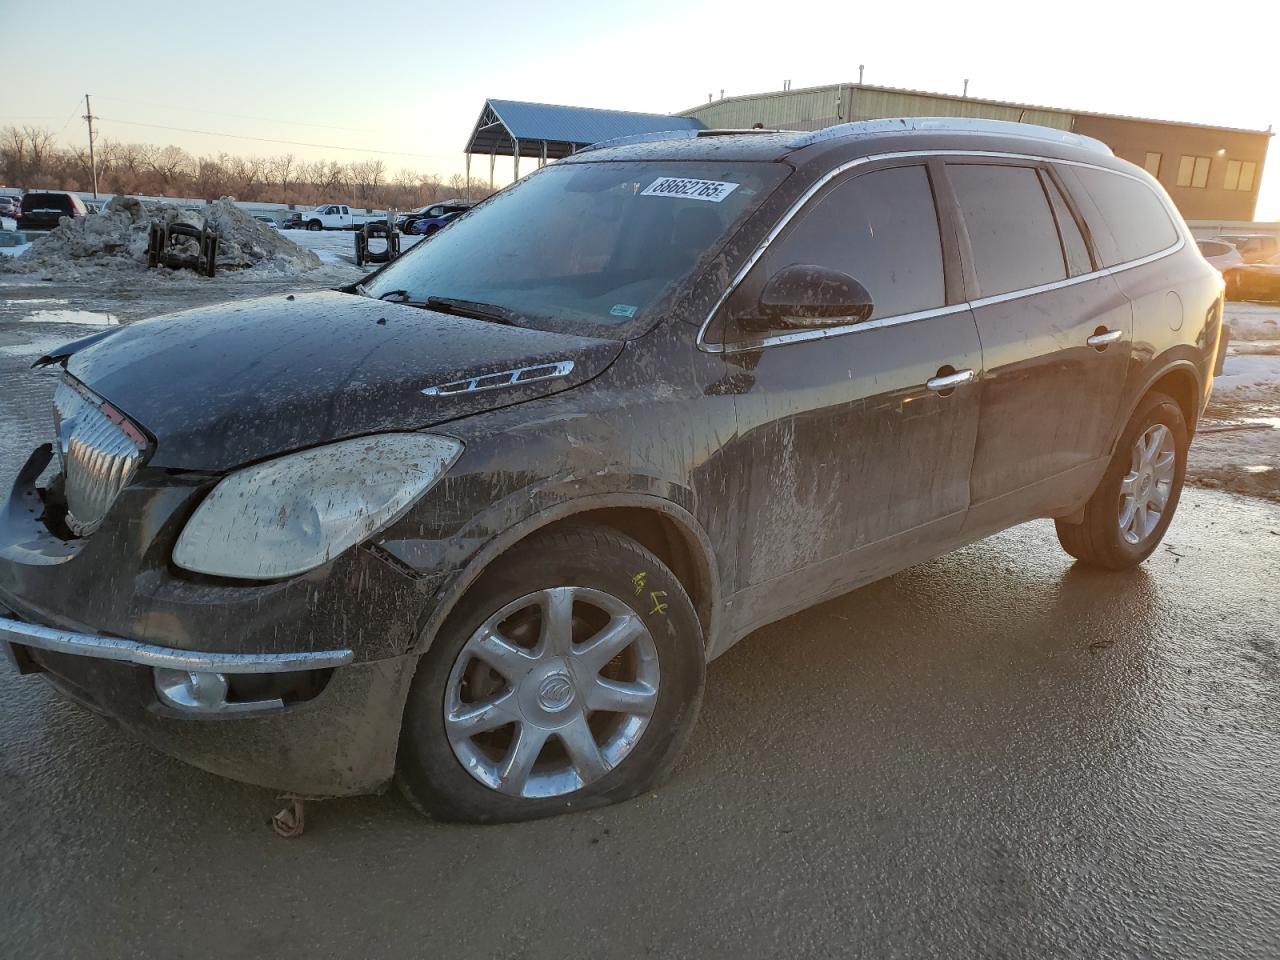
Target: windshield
(584, 247)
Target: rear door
(1056, 336)
(848, 451)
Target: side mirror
(806, 295)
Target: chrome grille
(99, 452)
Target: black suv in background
(42, 211)
(479, 522)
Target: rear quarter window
(47, 201)
(1137, 218)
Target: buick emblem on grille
(99, 451)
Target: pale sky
(308, 71)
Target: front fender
(497, 529)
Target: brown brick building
(1212, 173)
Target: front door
(855, 440)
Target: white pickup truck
(337, 216)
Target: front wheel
(314, 225)
(1128, 514)
(569, 677)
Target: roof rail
(686, 134)
(1002, 128)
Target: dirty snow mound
(115, 241)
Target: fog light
(193, 690)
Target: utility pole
(93, 166)
(966, 89)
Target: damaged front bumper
(340, 741)
(296, 685)
(188, 681)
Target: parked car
(628, 410)
(292, 221)
(269, 221)
(1253, 247)
(430, 219)
(43, 210)
(336, 216)
(9, 207)
(1257, 281)
(1224, 258)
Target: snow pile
(1253, 321)
(115, 241)
(1249, 377)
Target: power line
(293, 143)
(238, 116)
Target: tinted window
(1073, 244)
(881, 228)
(1012, 234)
(1137, 217)
(46, 201)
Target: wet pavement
(995, 754)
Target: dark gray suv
(478, 523)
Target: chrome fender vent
(506, 378)
(99, 451)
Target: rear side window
(882, 229)
(47, 201)
(1137, 218)
(1013, 236)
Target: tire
(431, 231)
(1107, 537)
(314, 225)
(594, 568)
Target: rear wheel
(569, 677)
(1128, 514)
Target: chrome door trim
(880, 322)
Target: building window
(1193, 172)
(1240, 175)
(1152, 164)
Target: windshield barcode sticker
(713, 190)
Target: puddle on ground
(87, 317)
(1273, 422)
(1258, 468)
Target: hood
(221, 386)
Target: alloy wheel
(1145, 489)
(551, 692)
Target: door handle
(1102, 337)
(946, 382)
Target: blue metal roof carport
(511, 128)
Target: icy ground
(1238, 445)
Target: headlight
(289, 515)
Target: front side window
(1013, 238)
(880, 228)
(1137, 218)
(585, 247)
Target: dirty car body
(617, 378)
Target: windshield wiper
(403, 296)
(474, 309)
